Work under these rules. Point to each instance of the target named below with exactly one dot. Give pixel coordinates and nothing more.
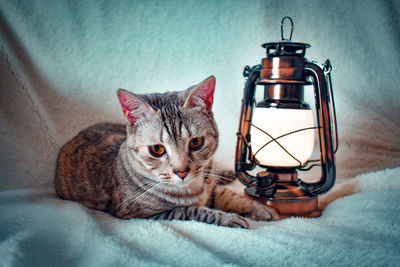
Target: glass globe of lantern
(282, 137)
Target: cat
(158, 165)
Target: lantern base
(290, 200)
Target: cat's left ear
(202, 95)
(133, 106)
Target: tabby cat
(157, 166)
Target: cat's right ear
(133, 106)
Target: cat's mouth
(182, 182)
(176, 180)
(188, 181)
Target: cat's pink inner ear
(133, 106)
(203, 95)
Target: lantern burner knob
(264, 187)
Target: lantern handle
(327, 67)
(291, 29)
(322, 107)
(243, 150)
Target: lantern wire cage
(309, 164)
(275, 139)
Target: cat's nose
(182, 174)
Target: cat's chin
(187, 183)
(182, 183)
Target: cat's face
(172, 136)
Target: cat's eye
(196, 143)
(157, 150)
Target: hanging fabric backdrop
(61, 63)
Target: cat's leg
(203, 214)
(225, 199)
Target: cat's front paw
(262, 212)
(234, 220)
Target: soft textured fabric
(61, 63)
(38, 229)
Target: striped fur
(108, 167)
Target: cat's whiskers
(225, 173)
(224, 176)
(141, 197)
(207, 171)
(198, 172)
(138, 196)
(221, 177)
(144, 195)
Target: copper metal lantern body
(283, 73)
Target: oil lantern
(277, 134)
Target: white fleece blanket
(38, 229)
(62, 61)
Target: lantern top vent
(286, 47)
